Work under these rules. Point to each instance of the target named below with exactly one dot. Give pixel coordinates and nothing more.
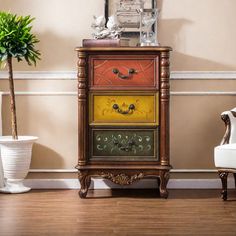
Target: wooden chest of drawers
(123, 115)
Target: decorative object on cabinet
(106, 35)
(148, 20)
(123, 115)
(111, 30)
(16, 150)
(105, 42)
(127, 14)
(225, 154)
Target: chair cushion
(225, 156)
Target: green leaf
(16, 38)
(3, 57)
(2, 49)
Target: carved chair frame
(223, 172)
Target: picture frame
(127, 14)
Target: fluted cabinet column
(164, 109)
(82, 109)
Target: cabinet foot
(164, 178)
(85, 181)
(83, 193)
(164, 194)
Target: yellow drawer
(124, 108)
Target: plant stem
(12, 99)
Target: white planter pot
(16, 158)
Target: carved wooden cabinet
(123, 115)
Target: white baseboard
(143, 184)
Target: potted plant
(16, 42)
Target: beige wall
(202, 35)
(60, 26)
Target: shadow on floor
(154, 193)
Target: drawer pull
(121, 76)
(130, 109)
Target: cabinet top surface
(122, 49)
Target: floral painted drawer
(117, 71)
(124, 144)
(124, 108)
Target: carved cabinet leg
(85, 181)
(164, 178)
(223, 177)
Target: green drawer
(124, 144)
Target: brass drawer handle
(121, 76)
(127, 147)
(130, 109)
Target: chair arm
(229, 118)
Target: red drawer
(116, 73)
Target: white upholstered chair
(225, 154)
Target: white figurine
(112, 31)
(114, 27)
(113, 23)
(99, 27)
(99, 22)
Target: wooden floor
(126, 212)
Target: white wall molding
(75, 170)
(72, 93)
(41, 75)
(72, 75)
(203, 93)
(203, 75)
(142, 184)
(36, 93)
(53, 171)
(193, 170)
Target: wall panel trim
(145, 183)
(36, 93)
(72, 75)
(203, 75)
(41, 75)
(75, 171)
(203, 93)
(72, 93)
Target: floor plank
(117, 212)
